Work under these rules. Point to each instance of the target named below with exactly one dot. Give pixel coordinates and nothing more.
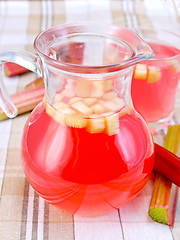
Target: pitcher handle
(25, 59)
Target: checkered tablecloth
(23, 214)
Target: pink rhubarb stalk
(164, 197)
(13, 69)
(26, 100)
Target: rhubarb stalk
(36, 83)
(167, 163)
(26, 100)
(164, 197)
(13, 69)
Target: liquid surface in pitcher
(86, 165)
(155, 82)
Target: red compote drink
(155, 83)
(83, 156)
(84, 148)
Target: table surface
(23, 214)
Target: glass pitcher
(84, 147)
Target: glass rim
(104, 68)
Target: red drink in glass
(155, 83)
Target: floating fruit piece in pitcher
(154, 74)
(112, 124)
(140, 71)
(108, 84)
(110, 95)
(75, 121)
(74, 100)
(96, 115)
(58, 97)
(111, 106)
(66, 116)
(50, 110)
(95, 125)
(97, 88)
(98, 108)
(126, 110)
(119, 101)
(82, 88)
(68, 91)
(63, 114)
(82, 108)
(60, 105)
(89, 101)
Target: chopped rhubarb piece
(97, 88)
(66, 116)
(119, 101)
(68, 111)
(68, 91)
(108, 84)
(126, 110)
(82, 108)
(13, 69)
(26, 100)
(58, 97)
(56, 115)
(90, 101)
(154, 74)
(111, 106)
(164, 197)
(140, 71)
(74, 100)
(95, 125)
(112, 124)
(110, 95)
(36, 83)
(82, 88)
(98, 108)
(59, 105)
(75, 121)
(50, 110)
